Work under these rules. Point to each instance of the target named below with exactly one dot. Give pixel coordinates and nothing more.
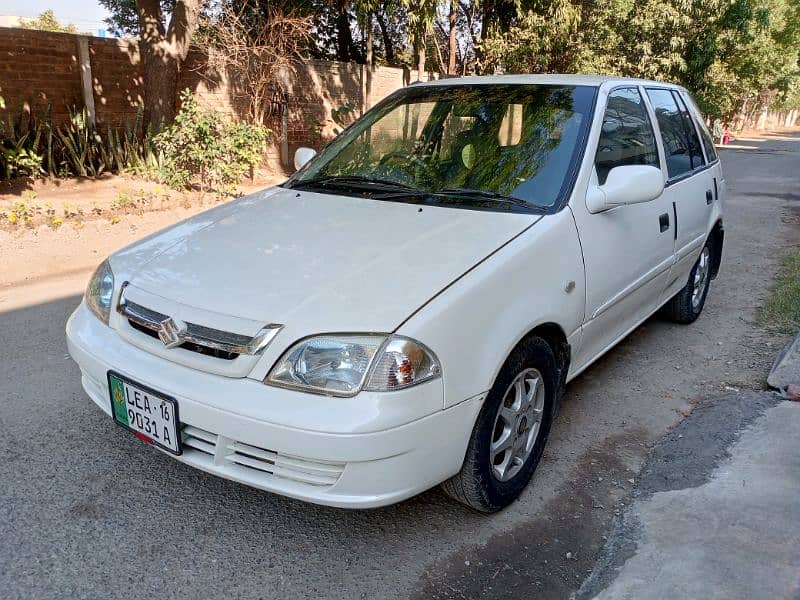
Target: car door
(627, 250)
(689, 189)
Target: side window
(673, 134)
(626, 137)
(705, 135)
(695, 152)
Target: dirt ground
(59, 531)
(97, 217)
(26, 203)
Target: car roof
(545, 79)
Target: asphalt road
(88, 511)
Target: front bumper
(225, 433)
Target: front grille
(261, 462)
(192, 347)
(224, 345)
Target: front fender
(474, 323)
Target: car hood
(315, 262)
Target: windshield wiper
(352, 180)
(485, 194)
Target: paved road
(715, 514)
(90, 512)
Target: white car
(407, 308)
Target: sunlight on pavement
(32, 293)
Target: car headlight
(341, 365)
(100, 292)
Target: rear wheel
(511, 430)
(687, 304)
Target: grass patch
(782, 310)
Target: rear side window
(705, 135)
(673, 132)
(695, 152)
(626, 137)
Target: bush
(30, 145)
(201, 147)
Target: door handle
(663, 222)
(709, 196)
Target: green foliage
(21, 161)
(123, 19)
(199, 146)
(202, 147)
(344, 115)
(83, 149)
(729, 53)
(20, 154)
(30, 145)
(47, 22)
(782, 310)
(537, 41)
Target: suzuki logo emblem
(170, 332)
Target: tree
(392, 22)
(253, 47)
(124, 17)
(163, 49)
(344, 37)
(47, 22)
(452, 43)
(538, 40)
(421, 15)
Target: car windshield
(489, 146)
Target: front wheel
(687, 304)
(510, 432)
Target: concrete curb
(786, 369)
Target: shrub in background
(30, 146)
(201, 147)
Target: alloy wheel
(701, 277)
(517, 424)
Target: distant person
(726, 137)
(717, 130)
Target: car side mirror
(627, 184)
(302, 156)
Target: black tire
(685, 307)
(476, 485)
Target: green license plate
(153, 417)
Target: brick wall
(116, 79)
(40, 69)
(313, 89)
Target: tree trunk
(387, 40)
(486, 18)
(343, 36)
(368, 66)
(452, 42)
(468, 8)
(420, 57)
(439, 57)
(163, 51)
(370, 41)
